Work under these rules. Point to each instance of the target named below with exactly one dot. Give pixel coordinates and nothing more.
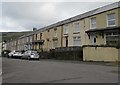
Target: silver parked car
(30, 55)
(15, 54)
(10, 55)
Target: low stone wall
(101, 53)
(64, 53)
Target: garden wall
(101, 53)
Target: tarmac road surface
(25, 71)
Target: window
(23, 41)
(48, 33)
(77, 27)
(40, 36)
(55, 43)
(30, 38)
(93, 23)
(27, 39)
(111, 19)
(36, 36)
(48, 44)
(93, 39)
(108, 33)
(55, 33)
(113, 38)
(76, 41)
(65, 29)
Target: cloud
(22, 16)
(59, 0)
(9, 24)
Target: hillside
(6, 36)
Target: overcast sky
(23, 16)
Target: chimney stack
(34, 29)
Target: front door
(93, 39)
(66, 41)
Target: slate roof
(84, 15)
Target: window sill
(65, 34)
(93, 28)
(76, 32)
(111, 25)
(55, 38)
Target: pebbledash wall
(97, 27)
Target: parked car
(17, 55)
(30, 55)
(5, 53)
(10, 55)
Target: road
(0, 70)
(44, 71)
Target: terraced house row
(97, 31)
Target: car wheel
(20, 57)
(28, 58)
(12, 56)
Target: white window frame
(48, 32)
(110, 20)
(55, 33)
(76, 27)
(91, 23)
(54, 42)
(112, 35)
(78, 38)
(30, 38)
(27, 39)
(65, 29)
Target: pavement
(45, 71)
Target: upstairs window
(48, 33)
(27, 39)
(93, 23)
(31, 38)
(77, 27)
(65, 29)
(36, 36)
(40, 36)
(55, 33)
(23, 41)
(111, 20)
